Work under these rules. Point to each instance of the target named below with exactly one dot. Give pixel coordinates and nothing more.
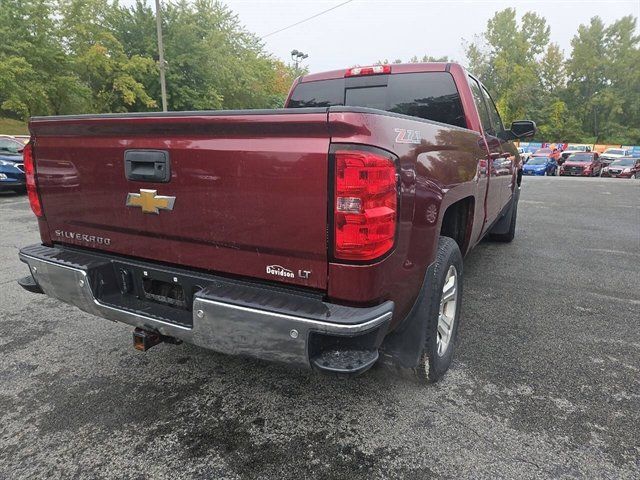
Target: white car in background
(611, 154)
(524, 155)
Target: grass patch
(8, 126)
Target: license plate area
(162, 295)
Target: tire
(437, 351)
(20, 190)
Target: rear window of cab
(427, 95)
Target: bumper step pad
(348, 362)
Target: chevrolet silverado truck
(328, 234)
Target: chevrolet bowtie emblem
(149, 201)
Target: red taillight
(30, 174)
(372, 70)
(365, 205)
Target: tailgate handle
(147, 165)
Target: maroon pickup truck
(328, 234)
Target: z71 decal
(407, 136)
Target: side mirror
(520, 129)
(523, 128)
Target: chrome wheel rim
(447, 314)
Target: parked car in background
(10, 144)
(577, 148)
(547, 152)
(582, 164)
(11, 166)
(625, 167)
(571, 149)
(540, 166)
(611, 154)
(524, 154)
(22, 138)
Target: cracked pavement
(545, 384)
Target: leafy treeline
(87, 56)
(592, 97)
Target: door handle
(147, 165)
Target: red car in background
(585, 164)
(625, 167)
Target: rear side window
(480, 105)
(324, 93)
(493, 113)
(429, 95)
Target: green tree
(212, 61)
(100, 60)
(586, 70)
(604, 80)
(552, 71)
(35, 72)
(507, 55)
(592, 96)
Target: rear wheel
(443, 297)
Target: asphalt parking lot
(546, 381)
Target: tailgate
(246, 194)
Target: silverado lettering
(82, 237)
(380, 203)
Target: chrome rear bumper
(228, 316)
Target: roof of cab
(395, 68)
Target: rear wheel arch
(457, 222)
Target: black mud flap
(503, 225)
(403, 347)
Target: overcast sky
(364, 31)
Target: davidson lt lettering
(279, 271)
